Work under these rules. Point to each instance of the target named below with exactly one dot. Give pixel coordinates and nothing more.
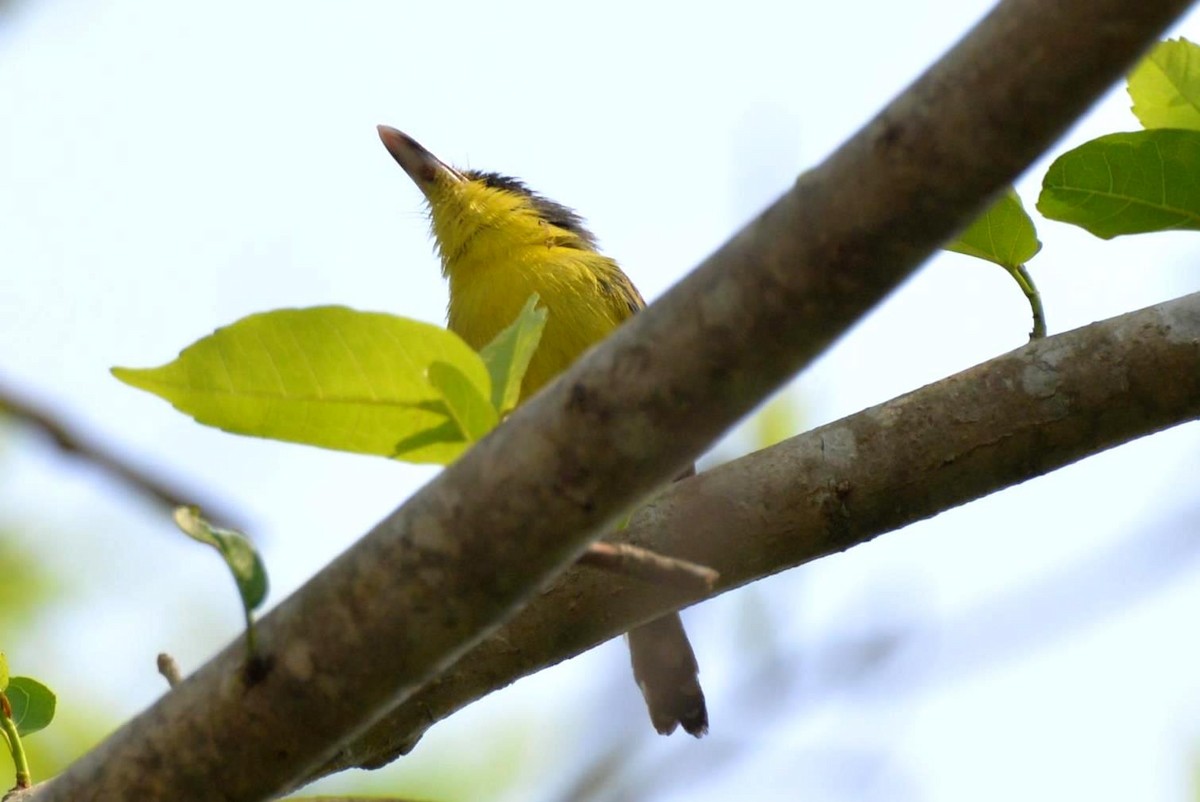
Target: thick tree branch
(1016, 417)
(458, 559)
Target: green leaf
(3, 672)
(507, 356)
(1131, 183)
(1165, 86)
(469, 408)
(32, 704)
(326, 376)
(1004, 234)
(235, 548)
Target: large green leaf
(326, 376)
(1165, 86)
(507, 356)
(1004, 234)
(1130, 183)
(32, 704)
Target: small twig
(650, 566)
(68, 441)
(169, 669)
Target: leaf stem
(251, 638)
(9, 727)
(1035, 300)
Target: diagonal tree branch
(69, 440)
(458, 559)
(1013, 418)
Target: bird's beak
(422, 166)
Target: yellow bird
(499, 243)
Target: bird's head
(475, 212)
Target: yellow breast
(584, 293)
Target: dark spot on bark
(890, 135)
(257, 669)
(836, 514)
(579, 398)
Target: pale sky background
(167, 169)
